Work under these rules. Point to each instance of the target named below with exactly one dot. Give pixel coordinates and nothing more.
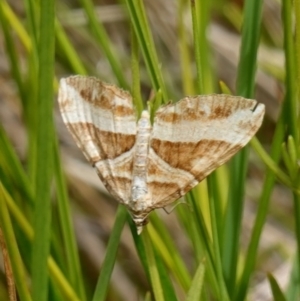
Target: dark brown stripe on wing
(195, 108)
(118, 187)
(103, 95)
(105, 101)
(108, 144)
(184, 155)
(162, 189)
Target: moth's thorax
(140, 198)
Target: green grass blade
(16, 24)
(103, 40)
(69, 52)
(222, 293)
(293, 289)
(69, 240)
(291, 74)
(292, 149)
(245, 87)
(184, 51)
(197, 44)
(297, 223)
(215, 193)
(10, 49)
(194, 293)
(266, 158)
(33, 15)
(291, 100)
(54, 270)
(166, 283)
(201, 241)
(44, 160)
(297, 44)
(168, 251)
(224, 88)
(201, 226)
(277, 293)
(141, 28)
(61, 282)
(110, 257)
(8, 289)
(139, 245)
(10, 163)
(18, 268)
(200, 12)
(164, 280)
(249, 45)
(153, 272)
(135, 71)
(262, 210)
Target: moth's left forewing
(102, 121)
(193, 137)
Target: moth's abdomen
(139, 174)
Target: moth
(148, 166)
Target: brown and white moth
(148, 166)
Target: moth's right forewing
(193, 137)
